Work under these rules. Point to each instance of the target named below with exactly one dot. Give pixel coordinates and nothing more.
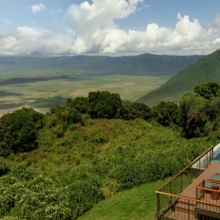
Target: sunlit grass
(136, 204)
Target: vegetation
(54, 79)
(69, 173)
(200, 112)
(184, 81)
(42, 93)
(60, 165)
(18, 131)
(137, 204)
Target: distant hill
(145, 64)
(184, 81)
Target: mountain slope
(145, 64)
(184, 81)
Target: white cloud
(92, 29)
(30, 32)
(37, 8)
(99, 15)
(6, 21)
(94, 25)
(144, 7)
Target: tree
(194, 117)
(81, 104)
(166, 113)
(103, 104)
(208, 90)
(134, 110)
(200, 112)
(18, 131)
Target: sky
(109, 27)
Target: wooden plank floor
(190, 191)
(183, 210)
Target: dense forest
(59, 165)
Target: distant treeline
(197, 114)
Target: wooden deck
(184, 209)
(190, 191)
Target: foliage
(18, 131)
(40, 197)
(166, 113)
(62, 118)
(103, 104)
(134, 110)
(200, 112)
(81, 161)
(193, 115)
(81, 104)
(208, 90)
(3, 166)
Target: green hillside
(145, 64)
(136, 204)
(204, 70)
(80, 161)
(97, 152)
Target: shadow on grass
(5, 105)
(5, 93)
(49, 102)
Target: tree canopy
(208, 90)
(18, 131)
(201, 112)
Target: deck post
(188, 211)
(170, 187)
(158, 206)
(212, 154)
(181, 182)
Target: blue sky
(109, 27)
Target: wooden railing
(204, 194)
(168, 194)
(183, 207)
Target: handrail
(200, 183)
(187, 198)
(208, 189)
(189, 165)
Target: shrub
(3, 166)
(18, 131)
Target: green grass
(138, 203)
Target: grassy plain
(42, 89)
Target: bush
(83, 195)
(3, 166)
(103, 104)
(18, 131)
